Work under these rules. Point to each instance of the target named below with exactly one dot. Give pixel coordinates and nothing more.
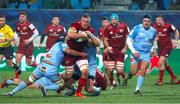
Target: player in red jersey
(27, 33)
(115, 43)
(54, 32)
(165, 45)
(105, 23)
(77, 36)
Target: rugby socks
(18, 88)
(161, 74)
(111, 80)
(140, 80)
(10, 81)
(52, 87)
(169, 70)
(81, 84)
(123, 75)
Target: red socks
(81, 84)
(169, 70)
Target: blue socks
(140, 80)
(9, 81)
(52, 87)
(18, 88)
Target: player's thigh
(143, 67)
(19, 56)
(162, 60)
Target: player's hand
(123, 51)
(82, 34)
(14, 43)
(136, 54)
(175, 44)
(84, 55)
(26, 41)
(2, 41)
(110, 50)
(153, 53)
(40, 45)
(89, 34)
(98, 50)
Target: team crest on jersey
(24, 28)
(165, 29)
(121, 30)
(111, 32)
(59, 30)
(50, 30)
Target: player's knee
(69, 73)
(31, 79)
(84, 70)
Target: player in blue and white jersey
(140, 42)
(48, 67)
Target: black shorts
(7, 52)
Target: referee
(6, 37)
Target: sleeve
(172, 28)
(133, 33)
(127, 30)
(32, 27)
(64, 46)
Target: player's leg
(110, 74)
(83, 66)
(29, 54)
(134, 69)
(37, 73)
(162, 62)
(101, 80)
(22, 85)
(89, 86)
(170, 71)
(140, 79)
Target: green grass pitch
(151, 93)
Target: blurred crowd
(87, 4)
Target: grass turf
(151, 93)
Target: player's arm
(72, 34)
(35, 34)
(127, 31)
(93, 39)
(130, 40)
(74, 52)
(11, 36)
(176, 32)
(63, 34)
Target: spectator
(18, 2)
(3, 3)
